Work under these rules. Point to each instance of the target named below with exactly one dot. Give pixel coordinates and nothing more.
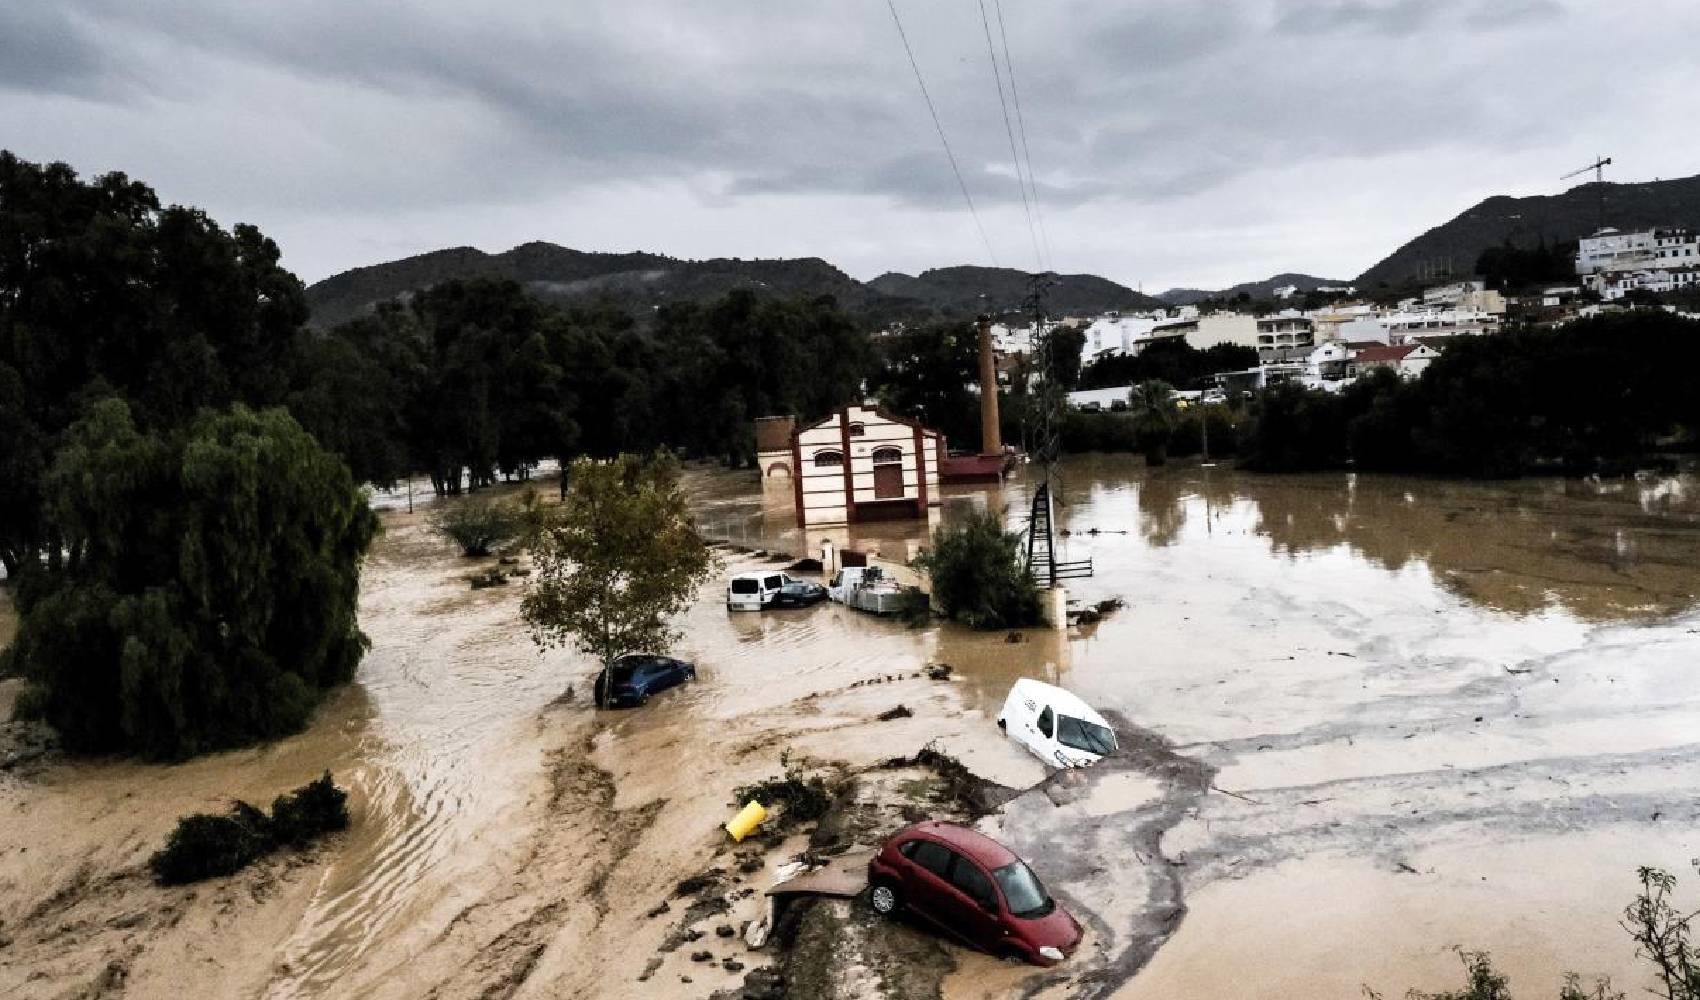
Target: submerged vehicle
(753, 591)
(866, 588)
(631, 679)
(798, 594)
(1055, 725)
(973, 888)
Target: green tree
(618, 562)
(206, 592)
(103, 292)
(978, 575)
(1151, 405)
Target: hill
(1452, 248)
(638, 281)
(642, 281)
(1258, 290)
(967, 289)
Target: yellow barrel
(747, 819)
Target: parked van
(752, 591)
(1055, 725)
(866, 588)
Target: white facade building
(1646, 249)
(865, 464)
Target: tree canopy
(206, 593)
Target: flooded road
(1435, 713)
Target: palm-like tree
(1152, 407)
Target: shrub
(978, 576)
(477, 525)
(314, 809)
(207, 846)
(801, 798)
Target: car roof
(988, 852)
(1066, 702)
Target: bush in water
(978, 576)
(478, 526)
(207, 846)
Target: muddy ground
(1366, 720)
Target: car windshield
(1021, 889)
(745, 586)
(1082, 735)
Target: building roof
(1361, 345)
(879, 411)
(1383, 353)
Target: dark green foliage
(978, 575)
(1596, 395)
(925, 372)
(207, 588)
(1173, 361)
(206, 846)
(316, 808)
(103, 292)
(1509, 267)
(1294, 429)
(477, 525)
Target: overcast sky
(1173, 143)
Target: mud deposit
(1365, 719)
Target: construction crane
(1599, 168)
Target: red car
(974, 888)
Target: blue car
(631, 679)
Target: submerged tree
(618, 562)
(205, 591)
(978, 577)
(1151, 404)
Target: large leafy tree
(104, 292)
(206, 593)
(620, 559)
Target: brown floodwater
(1428, 697)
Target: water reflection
(1602, 550)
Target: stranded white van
(752, 591)
(1056, 726)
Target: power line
(992, 255)
(1021, 123)
(1009, 130)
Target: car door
(927, 882)
(978, 906)
(1037, 733)
(770, 588)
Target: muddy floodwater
(1366, 719)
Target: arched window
(857, 430)
(829, 459)
(886, 456)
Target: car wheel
(690, 673)
(1013, 958)
(642, 700)
(882, 896)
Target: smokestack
(991, 440)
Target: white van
(752, 591)
(1056, 726)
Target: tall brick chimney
(991, 438)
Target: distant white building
(1646, 249)
(1285, 336)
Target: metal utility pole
(1599, 168)
(1043, 432)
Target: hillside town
(1331, 346)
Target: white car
(1055, 725)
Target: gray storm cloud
(692, 128)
